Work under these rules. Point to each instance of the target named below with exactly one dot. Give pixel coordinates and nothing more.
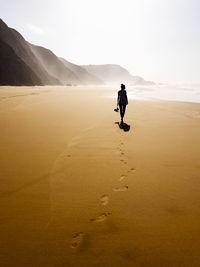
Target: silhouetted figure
(122, 101)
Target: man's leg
(121, 110)
(124, 110)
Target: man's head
(123, 86)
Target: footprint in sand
(104, 200)
(77, 239)
(121, 189)
(102, 217)
(131, 170)
(67, 156)
(122, 177)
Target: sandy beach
(76, 190)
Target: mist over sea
(170, 92)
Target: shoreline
(111, 89)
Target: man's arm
(118, 99)
(126, 99)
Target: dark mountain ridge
(36, 65)
(13, 71)
(21, 48)
(54, 66)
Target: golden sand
(76, 190)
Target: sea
(168, 92)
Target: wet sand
(76, 190)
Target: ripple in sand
(121, 189)
(102, 217)
(104, 200)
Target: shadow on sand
(123, 126)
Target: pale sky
(156, 39)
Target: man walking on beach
(122, 101)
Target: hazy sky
(157, 39)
